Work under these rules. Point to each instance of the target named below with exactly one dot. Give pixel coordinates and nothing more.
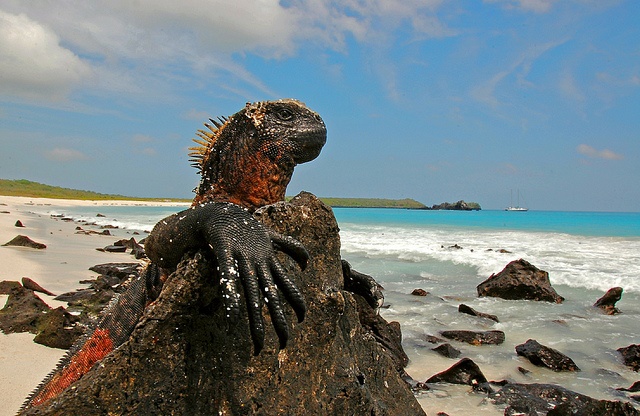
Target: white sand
(58, 268)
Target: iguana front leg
(244, 249)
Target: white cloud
(132, 47)
(521, 66)
(33, 64)
(536, 6)
(586, 150)
(64, 155)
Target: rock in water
(543, 356)
(631, 356)
(549, 399)
(475, 337)
(185, 358)
(608, 301)
(470, 311)
(24, 241)
(520, 280)
(464, 371)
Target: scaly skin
(245, 161)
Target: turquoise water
(577, 223)
(448, 253)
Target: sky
(433, 100)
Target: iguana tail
(117, 322)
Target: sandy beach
(58, 268)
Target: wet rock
(608, 302)
(184, 357)
(464, 371)
(19, 224)
(470, 311)
(549, 399)
(475, 337)
(520, 280)
(24, 241)
(634, 387)
(31, 285)
(631, 356)
(100, 215)
(446, 350)
(432, 339)
(419, 292)
(543, 356)
(523, 370)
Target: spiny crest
(206, 141)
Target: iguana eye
(285, 114)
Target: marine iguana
(245, 161)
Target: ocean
(448, 253)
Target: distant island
(26, 188)
(457, 206)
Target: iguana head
(248, 158)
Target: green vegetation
(474, 205)
(372, 203)
(23, 187)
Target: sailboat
(517, 207)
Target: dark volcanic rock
(119, 270)
(19, 224)
(9, 286)
(58, 329)
(631, 356)
(31, 285)
(24, 241)
(22, 311)
(470, 311)
(520, 280)
(475, 337)
(634, 387)
(185, 358)
(608, 302)
(113, 249)
(446, 350)
(456, 206)
(543, 356)
(548, 399)
(419, 292)
(464, 371)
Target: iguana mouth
(310, 144)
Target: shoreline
(58, 268)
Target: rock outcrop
(470, 311)
(520, 280)
(608, 301)
(184, 357)
(631, 356)
(464, 371)
(549, 399)
(475, 337)
(544, 356)
(24, 241)
(457, 206)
